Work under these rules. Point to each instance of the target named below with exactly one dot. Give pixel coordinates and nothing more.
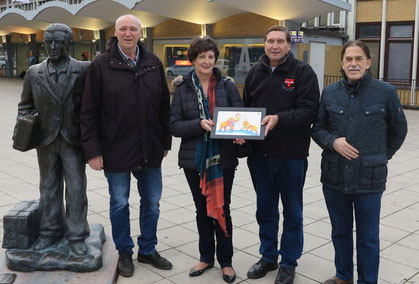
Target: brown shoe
(335, 280)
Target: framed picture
(238, 123)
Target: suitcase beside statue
(21, 225)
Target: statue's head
(58, 39)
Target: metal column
(415, 57)
(383, 40)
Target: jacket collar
(116, 57)
(357, 85)
(284, 66)
(59, 93)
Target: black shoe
(78, 247)
(229, 278)
(125, 265)
(260, 268)
(335, 280)
(156, 260)
(285, 276)
(44, 242)
(196, 272)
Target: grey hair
(62, 28)
(130, 15)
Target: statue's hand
(96, 163)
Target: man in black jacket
(125, 130)
(360, 126)
(54, 89)
(288, 88)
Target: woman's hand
(207, 124)
(239, 141)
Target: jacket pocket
(373, 170)
(336, 116)
(375, 116)
(374, 109)
(330, 170)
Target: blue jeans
(367, 217)
(149, 183)
(273, 178)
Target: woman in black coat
(209, 164)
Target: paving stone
(141, 276)
(394, 272)
(402, 255)
(178, 216)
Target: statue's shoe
(44, 242)
(78, 247)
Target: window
(374, 48)
(369, 31)
(336, 18)
(174, 53)
(399, 60)
(399, 48)
(370, 34)
(401, 31)
(310, 23)
(323, 20)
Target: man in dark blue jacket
(360, 126)
(289, 91)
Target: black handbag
(27, 128)
(244, 150)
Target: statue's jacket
(58, 105)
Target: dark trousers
(207, 226)
(274, 178)
(59, 162)
(341, 209)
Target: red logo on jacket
(288, 85)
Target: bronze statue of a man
(54, 89)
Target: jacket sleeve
(164, 115)
(247, 98)
(26, 104)
(90, 113)
(396, 125)
(233, 95)
(320, 133)
(178, 124)
(305, 111)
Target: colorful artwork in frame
(238, 123)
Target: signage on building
(297, 36)
(21, 1)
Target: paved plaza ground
(177, 233)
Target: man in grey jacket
(54, 89)
(360, 126)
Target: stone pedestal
(105, 275)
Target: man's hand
(271, 121)
(207, 124)
(165, 153)
(345, 149)
(96, 163)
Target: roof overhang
(96, 15)
(297, 11)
